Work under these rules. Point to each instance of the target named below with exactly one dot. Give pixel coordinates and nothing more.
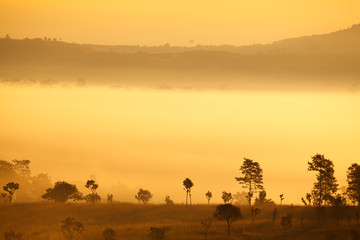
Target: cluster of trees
(17, 173)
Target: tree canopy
(62, 191)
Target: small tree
(308, 198)
(93, 197)
(62, 191)
(353, 179)
(10, 189)
(71, 228)
(281, 198)
(168, 200)
(188, 184)
(109, 234)
(254, 213)
(226, 197)
(143, 195)
(274, 215)
(206, 223)
(12, 235)
(252, 177)
(304, 202)
(286, 222)
(229, 213)
(109, 198)
(208, 196)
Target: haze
(154, 139)
(184, 23)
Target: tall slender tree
(188, 184)
(353, 179)
(252, 178)
(325, 185)
(208, 196)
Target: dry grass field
(42, 221)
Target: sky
(186, 23)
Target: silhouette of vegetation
(12, 235)
(62, 191)
(32, 187)
(226, 197)
(304, 202)
(326, 185)
(338, 204)
(168, 200)
(208, 196)
(252, 177)
(254, 213)
(206, 223)
(10, 189)
(109, 198)
(229, 213)
(274, 215)
(157, 233)
(262, 200)
(93, 197)
(71, 228)
(308, 198)
(188, 184)
(241, 198)
(286, 222)
(353, 179)
(143, 195)
(281, 198)
(109, 234)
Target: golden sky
(157, 22)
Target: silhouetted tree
(109, 198)
(62, 191)
(338, 203)
(71, 228)
(168, 200)
(157, 233)
(308, 197)
(353, 179)
(262, 200)
(252, 177)
(143, 195)
(286, 222)
(304, 202)
(254, 213)
(109, 234)
(281, 198)
(188, 184)
(274, 215)
(206, 223)
(326, 182)
(226, 197)
(241, 198)
(229, 213)
(93, 197)
(12, 235)
(10, 189)
(208, 196)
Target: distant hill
(343, 42)
(328, 60)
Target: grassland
(42, 221)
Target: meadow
(42, 221)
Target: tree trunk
(187, 193)
(228, 229)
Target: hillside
(311, 59)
